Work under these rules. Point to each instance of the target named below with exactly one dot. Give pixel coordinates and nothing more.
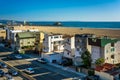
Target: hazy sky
(60, 10)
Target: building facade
(52, 42)
(69, 46)
(81, 44)
(2, 34)
(25, 41)
(105, 48)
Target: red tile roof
(105, 67)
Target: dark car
(11, 56)
(2, 73)
(3, 65)
(14, 56)
(66, 62)
(13, 72)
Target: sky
(60, 10)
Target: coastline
(72, 31)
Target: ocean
(73, 24)
(105, 25)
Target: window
(107, 58)
(112, 44)
(78, 49)
(68, 53)
(68, 40)
(21, 43)
(112, 56)
(59, 42)
(28, 42)
(55, 36)
(112, 49)
(106, 51)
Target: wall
(69, 47)
(95, 53)
(104, 76)
(27, 42)
(117, 49)
(52, 56)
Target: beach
(72, 31)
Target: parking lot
(41, 73)
(14, 77)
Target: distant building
(25, 41)
(2, 34)
(106, 48)
(52, 42)
(108, 72)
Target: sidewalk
(66, 71)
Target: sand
(72, 31)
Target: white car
(29, 70)
(42, 60)
(18, 56)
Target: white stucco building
(53, 43)
(106, 48)
(69, 46)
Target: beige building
(39, 41)
(2, 34)
(25, 41)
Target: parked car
(18, 56)
(2, 73)
(14, 56)
(9, 77)
(13, 72)
(29, 70)
(66, 62)
(42, 60)
(3, 65)
(11, 56)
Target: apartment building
(69, 46)
(106, 48)
(25, 41)
(81, 44)
(53, 43)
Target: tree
(86, 57)
(100, 61)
